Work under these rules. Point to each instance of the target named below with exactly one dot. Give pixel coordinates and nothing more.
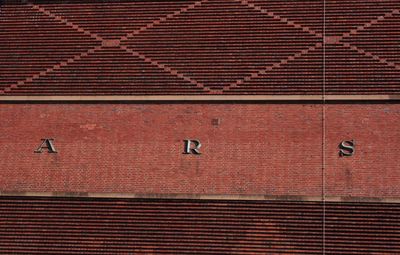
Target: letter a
(46, 144)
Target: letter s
(347, 148)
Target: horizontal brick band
(273, 149)
(164, 226)
(201, 197)
(205, 98)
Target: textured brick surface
(136, 148)
(233, 47)
(271, 149)
(203, 47)
(374, 170)
(137, 226)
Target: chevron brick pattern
(199, 47)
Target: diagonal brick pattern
(301, 74)
(130, 72)
(363, 53)
(347, 15)
(260, 47)
(218, 47)
(305, 14)
(119, 19)
(25, 86)
(32, 43)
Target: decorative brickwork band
(203, 47)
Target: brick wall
(247, 149)
(199, 47)
(33, 225)
(374, 168)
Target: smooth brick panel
(271, 149)
(374, 170)
(257, 149)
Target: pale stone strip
(205, 98)
(204, 197)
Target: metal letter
(347, 148)
(46, 144)
(188, 147)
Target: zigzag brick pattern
(362, 50)
(346, 15)
(156, 226)
(31, 43)
(199, 47)
(300, 76)
(113, 19)
(129, 72)
(221, 42)
(306, 13)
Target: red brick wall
(262, 47)
(374, 170)
(257, 149)
(54, 225)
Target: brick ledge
(207, 98)
(203, 196)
